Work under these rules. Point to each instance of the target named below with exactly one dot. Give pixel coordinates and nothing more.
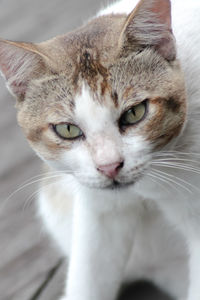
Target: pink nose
(111, 170)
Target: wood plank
(55, 287)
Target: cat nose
(111, 170)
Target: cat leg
(101, 245)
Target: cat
(113, 109)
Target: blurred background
(30, 265)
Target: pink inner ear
(17, 64)
(150, 25)
(4, 68)
(16, 84)
(163, 10)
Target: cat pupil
(133, 111)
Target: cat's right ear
(149, 25)
(19, 63)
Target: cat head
(98, 102)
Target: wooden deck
(30, 265)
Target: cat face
(80, 130)
(98, 102)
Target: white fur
(58, 219)
(116, 235)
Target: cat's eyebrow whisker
(161, 173)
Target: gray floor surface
(30, 265)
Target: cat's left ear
(149, 25)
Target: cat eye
(68, 131)
(134, 115)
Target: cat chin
(115, 186)
(112, 186)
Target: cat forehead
(101, 33)
(92, 86)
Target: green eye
(68, 131)
(134, 114)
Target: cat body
(106, 106)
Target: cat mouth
(116, 185)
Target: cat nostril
(111, 170)
(120, 165)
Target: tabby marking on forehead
(114, 97)
(90, 70)
(93, 71)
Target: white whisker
(165, 180)
(187, 168)
(178, 160)
(37, 192)
(166, 176)
(175, 153)
(153, 177)
(31, 183)
(179, 179)
(42, 175)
